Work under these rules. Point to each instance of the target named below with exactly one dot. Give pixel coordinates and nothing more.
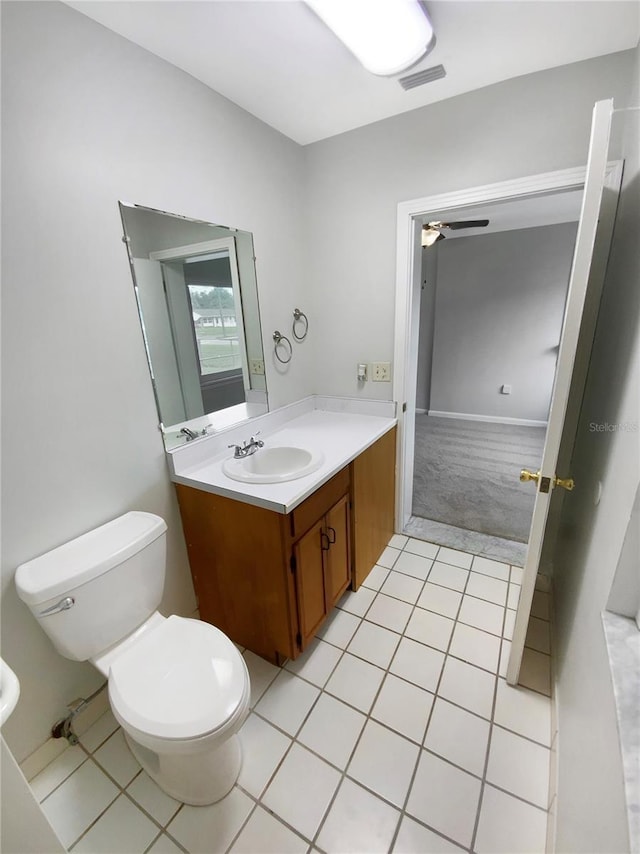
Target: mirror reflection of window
(196, 291)
(215, 316)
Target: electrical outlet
(256, 366)
(381, 372)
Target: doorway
(528, 204)
(601, 180)
(490, 319)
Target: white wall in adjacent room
(498, 318)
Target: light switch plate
(256, 366)
(381, 372)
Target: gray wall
(535, 123)
(90, 118)
(590, 804)
(498, 317)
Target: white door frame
(405, 360)
(224, 244)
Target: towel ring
(279, 339)
(299, 316)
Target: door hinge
(299, 640)
(293, 563)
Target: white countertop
(341, 436)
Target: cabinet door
(310, 590)
(338, 556)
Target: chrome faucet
(190, 434)
(247, 448)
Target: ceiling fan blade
(470, 223)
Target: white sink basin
(273, 465)
(9, 691)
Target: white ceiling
(277, 60)
(549, 209)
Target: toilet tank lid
(64, 568)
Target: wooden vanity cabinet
(322, 567)
(270, 580)
(266, 579)
(373, 490)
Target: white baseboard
(421, 412)
(491, 419)
(53, 747)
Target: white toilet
(179, 687)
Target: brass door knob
(565, 482)
(526, 475)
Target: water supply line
(64, 728)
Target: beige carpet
(466, 474)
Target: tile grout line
(368, 717)
(344, 775)
(361, 618)
(430, 715)
(293, 740)
(122, 791)
(491, 725)
(474, 545)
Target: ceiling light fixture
(386, 36)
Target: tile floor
(497, 548)
(395, 731)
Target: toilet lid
(183, 679)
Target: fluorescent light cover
(386, 36)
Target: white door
(585, 283)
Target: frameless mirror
(197, 297)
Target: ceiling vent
(421, 77)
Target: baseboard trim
(53, 747)
(421, 412)
(490, 419)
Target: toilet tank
(95, 590)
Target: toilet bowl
(181, 693)
(179, 687)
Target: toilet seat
(183, 679)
